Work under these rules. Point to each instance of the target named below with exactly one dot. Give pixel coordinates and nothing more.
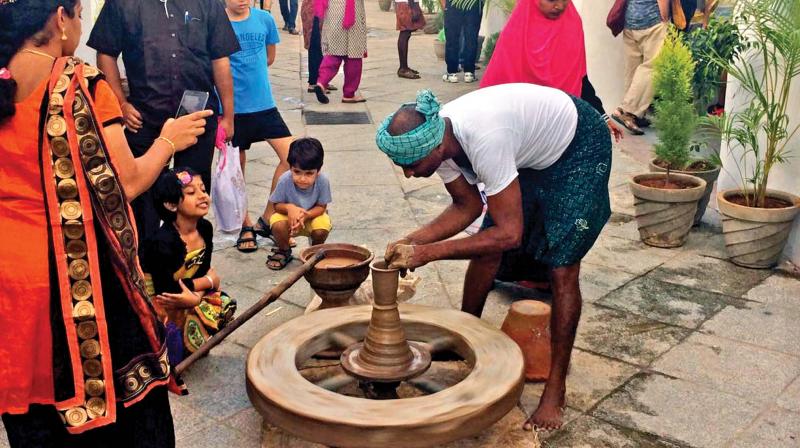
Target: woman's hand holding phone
(183, 131)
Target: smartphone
(192, 101)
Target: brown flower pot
(755, 237)
(665, 216)
(385, 5)
(709, 176)
(430, 24)
(528, 324)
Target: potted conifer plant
(666, 202)
(756, 219)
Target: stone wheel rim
(287, 400)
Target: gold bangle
(172, 145)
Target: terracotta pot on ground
(755, 237)
(430, 24)
(528, 324)
(665, 216)
(710, 176)
(438, 48)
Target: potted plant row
(757, 220)
(666, 203)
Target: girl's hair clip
(4, 72)
(184, 178)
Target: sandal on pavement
(407, 73)
(278, 259)
(263, 230)
(328, 89)
(355, 99)
(242, 240)
(627, 121)
(320, 93)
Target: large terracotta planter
(385, 5)
(430, 24)
(665, 216)
(755, 237)
(709, 176)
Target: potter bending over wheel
(544, 158)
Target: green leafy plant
(506, 6)
(721, 37)
(765, 71)
(675, 118)
(430, 6)
(488, 47)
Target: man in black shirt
(167, 46)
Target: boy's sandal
(407, 73)
(627, 121)
(264, 230)
(242, 240)
(278, 259)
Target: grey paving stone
(364, 207)
(677, 410)
(706, 241)
(766, 326)
(622, 200)
(622, 226)
(781, 290)
(626, 255)
(589, 432)
(264, 322)
(597, 281)
(790, 398)
(220, 435)
(3, 437)
(625, 336)
(709, 274)
(750, 372)
(357, 168)
(186, 419)
(666, 302)
(247, 421)
(217, 383)
(590, 378)
(778, 428)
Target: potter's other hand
(183, 132)
(615, 131)
(387, 255)
(402, 257)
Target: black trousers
(314, 52)
(289, 12)
(147, 424)
(197, 157)
(458, 22)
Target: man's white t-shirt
(507, 127)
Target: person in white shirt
(544, 158)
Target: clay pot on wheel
(528, 324)
(665, 216)
(710, 176)
(755, 237)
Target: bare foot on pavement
(549, 415)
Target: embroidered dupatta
(82, 193)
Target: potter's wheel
(385, 392)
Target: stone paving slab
(779, 290)
(626, 255)
(666, 302)
(597, 281)
(756, 374)
(762, 325)
(790, 398)
(710, 274)
(677, 410)
(590, 432)
(777, 428)
(625, 336)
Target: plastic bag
(228, 194)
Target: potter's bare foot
(549, 415)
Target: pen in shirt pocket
(188, 18)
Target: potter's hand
(404, 256)
(387, 255)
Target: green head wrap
(415, 145)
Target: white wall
(605, 66)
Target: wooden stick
(271, 296)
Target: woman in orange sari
(82, 362)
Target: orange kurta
(26, 366)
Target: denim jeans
(289, 12)
(314, 52)
(458, 22)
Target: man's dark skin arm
(465, 208)
(223, 81)
(108, 65)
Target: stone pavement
(676, 348)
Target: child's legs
(352, 76)
(314, 53)
(243, 162)
(319, 228)
(279, 224)
(281, 147)
(329, 68)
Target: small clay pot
(528, 324)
